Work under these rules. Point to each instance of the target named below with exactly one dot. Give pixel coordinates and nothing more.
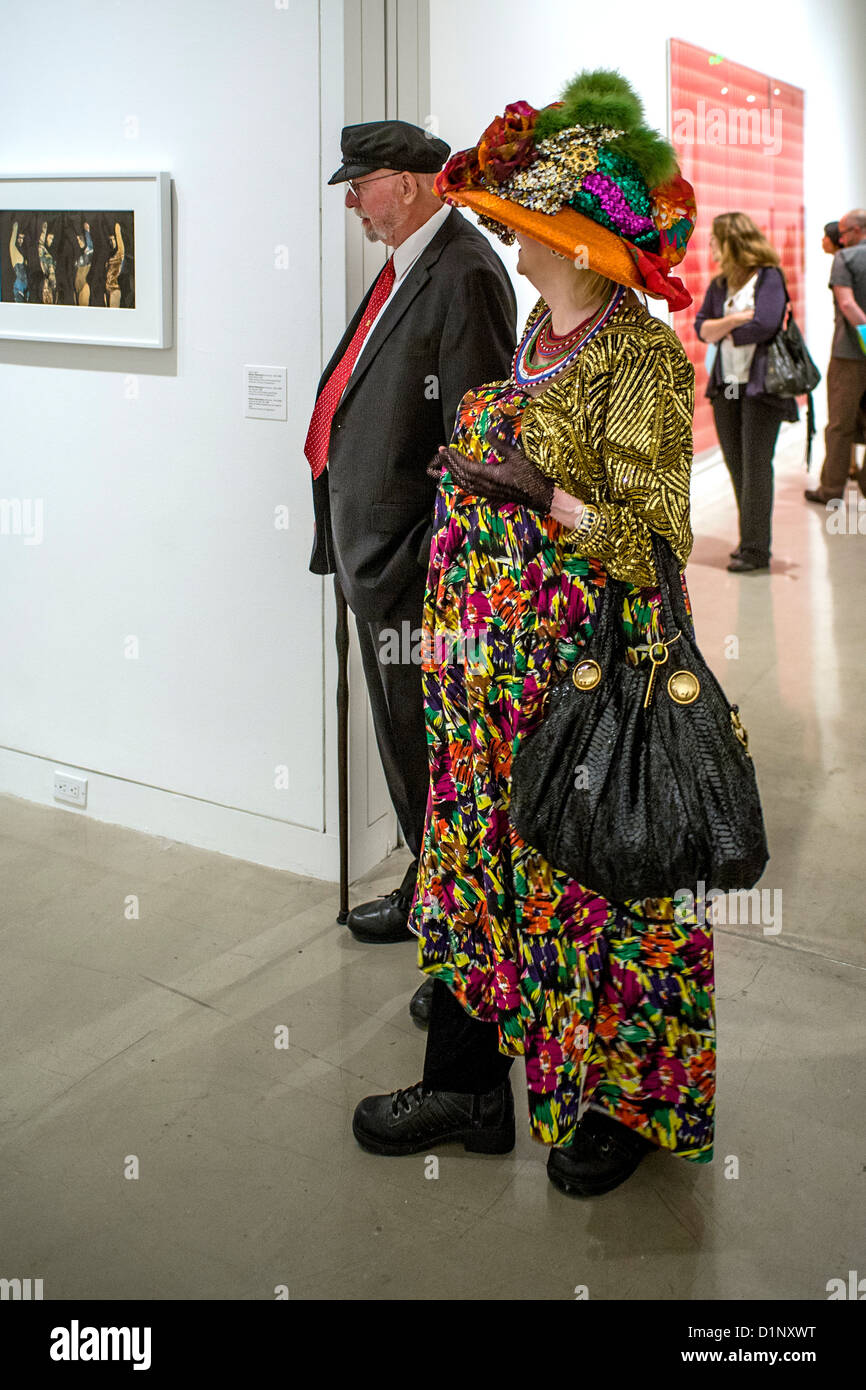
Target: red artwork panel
(738, 135)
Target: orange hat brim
(566, 231)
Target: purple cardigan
(770, 300)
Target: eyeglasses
(355, 186)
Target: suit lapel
(345, 340)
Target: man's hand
(515, 479)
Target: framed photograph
(86, 258)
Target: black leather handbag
(638, 781)
(790, 368)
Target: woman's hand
(713, 330)
(515, 479)
(566, 509)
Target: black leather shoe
(744, 564)
(815, 495)
(735, 553)
(421, 1003)
(384, 919)
(603, 1154)
(414, 1120)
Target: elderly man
(439, 319)
(846, 374)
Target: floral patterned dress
(610, 1004)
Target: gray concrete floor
(154, 1037)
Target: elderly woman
(554, 480)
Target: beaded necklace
(553, 354)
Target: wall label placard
(265, 395)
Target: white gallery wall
(159, 497)
(165, 637)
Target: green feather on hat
(603, 97)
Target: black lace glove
(515, 479)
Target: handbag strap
(788, 309)
(675, 616)
(610, 635)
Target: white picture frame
(142, 277)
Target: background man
(439, 319)
(846, 373)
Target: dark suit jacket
(451, 326)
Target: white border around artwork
(149, 324)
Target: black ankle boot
(412, 1121)
(421, 1003)
(602, 1155)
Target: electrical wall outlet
(71, 789)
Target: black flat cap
(388, 145)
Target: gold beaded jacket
(616, 431)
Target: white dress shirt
(405, 257)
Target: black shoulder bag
(638, 781)
(791, 370)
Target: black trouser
(397, 703)
(462, 1052)
(748, 428)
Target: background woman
(830, 241)
(742, 310)
(555, 479)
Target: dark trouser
(462, 1053)
(748, 428)
(397, 703)
(846, 382)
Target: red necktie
(319, 433)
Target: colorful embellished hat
(586, 177)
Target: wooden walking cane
(342, 638)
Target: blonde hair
(595, 284)
(742, 247)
